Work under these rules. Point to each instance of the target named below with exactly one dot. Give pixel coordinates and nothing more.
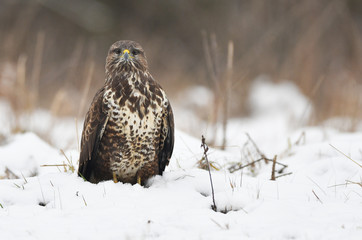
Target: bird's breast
(133, 131)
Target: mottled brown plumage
(128, 132)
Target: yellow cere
(126, 51)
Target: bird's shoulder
(156, 90)
(95, 114)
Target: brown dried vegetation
(53, 57)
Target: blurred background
(52, 53)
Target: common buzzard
(128, 132)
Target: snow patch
(25, 153)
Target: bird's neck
(127, 74)
(134, 79)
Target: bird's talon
(115, 180)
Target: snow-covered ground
(321, 198)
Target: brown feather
(94, 123)
(129, 129)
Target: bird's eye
(135, 51)
(117, 51)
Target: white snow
(320, 199)
(278, 99)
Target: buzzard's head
(126, 56)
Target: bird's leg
(115, 180)
(139, 180)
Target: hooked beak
(126, 55)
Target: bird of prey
(128, 132)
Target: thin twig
(357, 183)
(317, 185)
(206, 148)
(346, 155)
(317, 196)
(85, 203)
(54, 165)
(273, 168)
(38, 57)
(62, 151)
(10, 174)
(220, 226)
(346, 183)
(70, 163)
(25, 181)
(285, 174)
(239, 166)
(300, 139)
(256, 146)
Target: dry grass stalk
(311, 99)
(206, 149)
(220, 83)
(227, 91)
(299, 41)
(226, 227)
(37, 63)
(9, 174)
(58, 101)
(260, 158)
(273, 168)
(238, 166)
(203, 164)
(358, 164)
(20, 94)
(301, 139)
(317, 196)
(54, 165)
(70, 164)
(255, 146)
(283, 175)
(356, 183)
(288, 151)
(85, 203)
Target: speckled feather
(128, 131)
